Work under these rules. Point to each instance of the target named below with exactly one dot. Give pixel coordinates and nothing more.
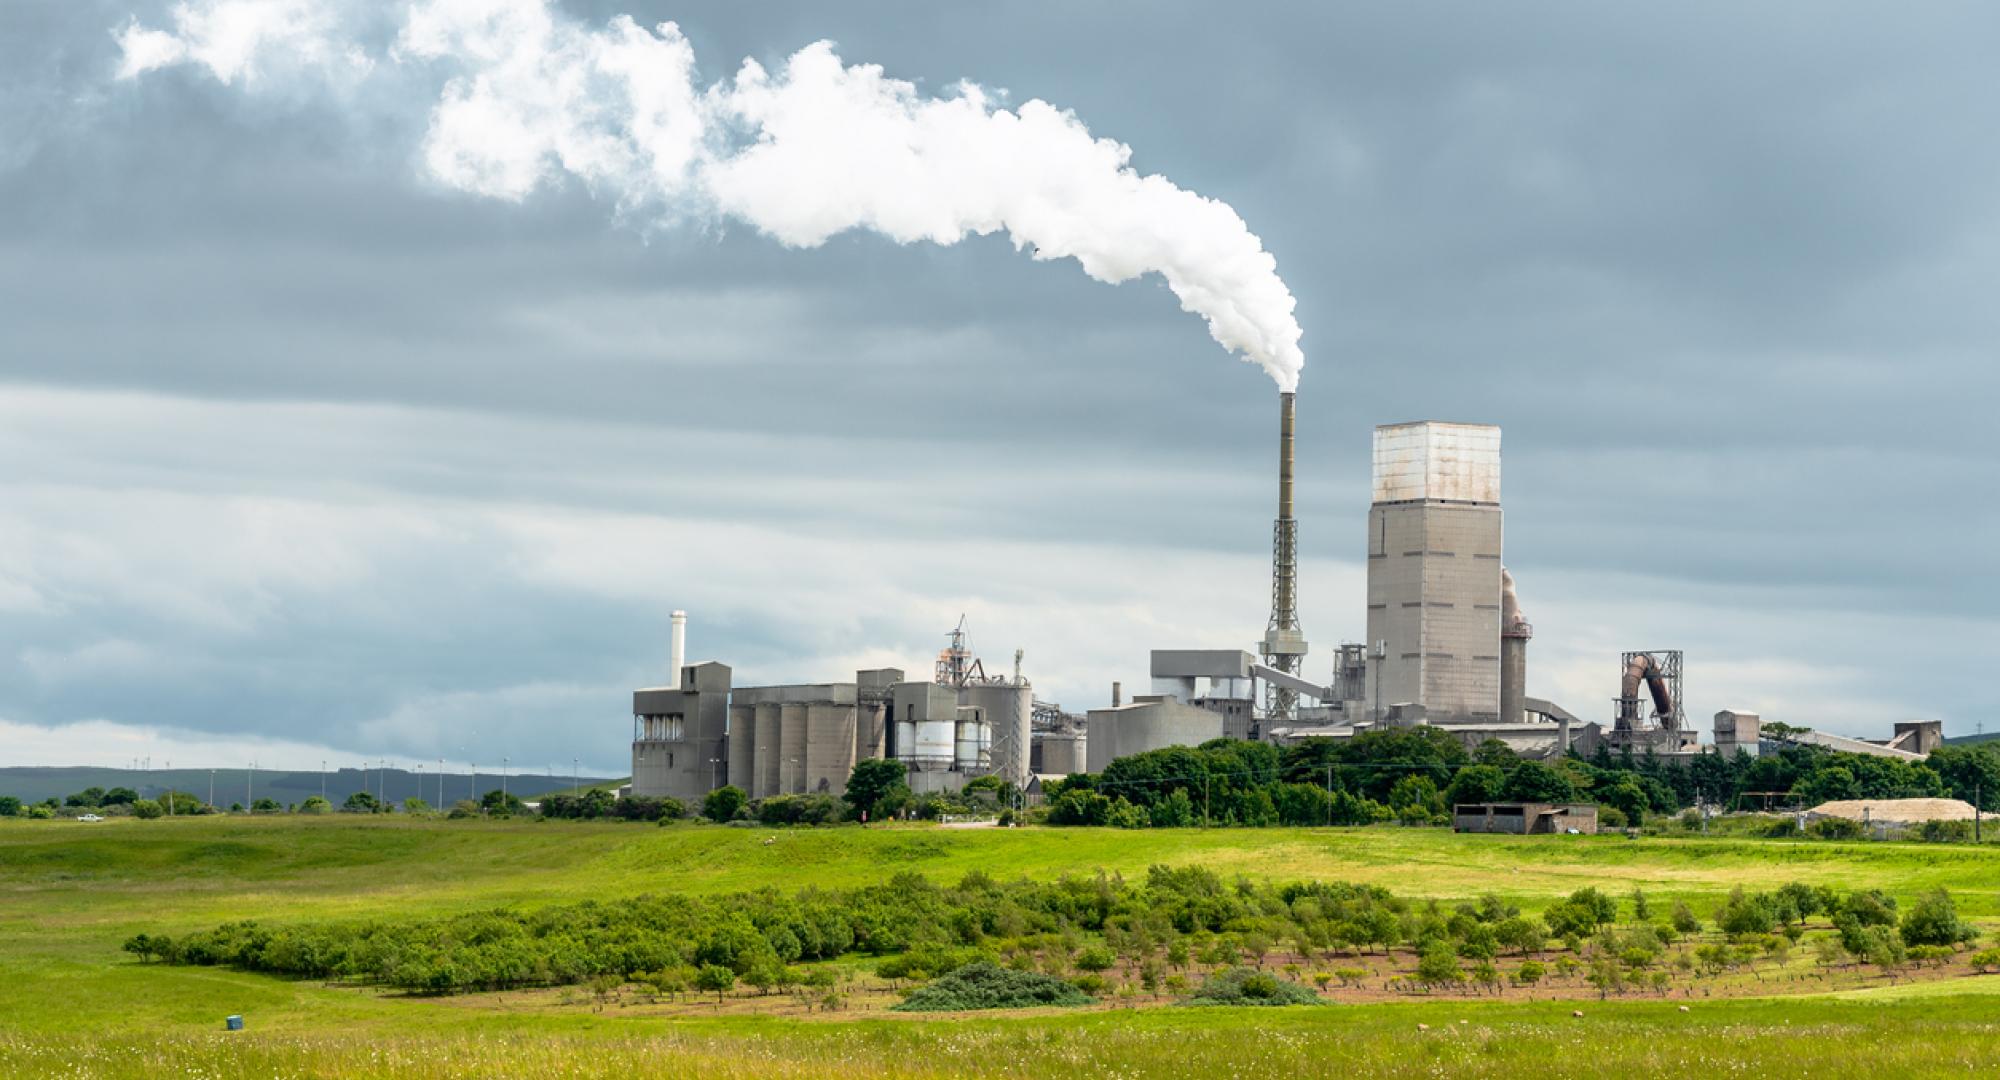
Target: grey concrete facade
(1434, 550)
(1147, 724)
(680, 736)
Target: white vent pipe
(679, 650)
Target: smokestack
(678, 657)
(1117, 695)
(1284, 646)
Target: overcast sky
(303, 454)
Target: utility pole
(249, 786)
(503, 784)
(170, 788)
(211, 789)
(1381, 651)
(575, 775)
(440, 785)
(1975, 811)
(322, 779)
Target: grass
(69, 893)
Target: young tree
(1533, 781)
(724, 802)
(1934, 921)
(876, 787)
(10, 806)
(146, 809)
(716, 978)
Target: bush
(146, 809)
(1247, 986)
(723, 803)
(315, 805)
(1934, 921)
(1945, 832)
(986, 985)
(1836, 828)
(1747, 914)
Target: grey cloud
(1721, 273)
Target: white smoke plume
(818, 147)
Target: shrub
(1529, 973)
(147, 809)
(315, 805)
(1747, 913)
(1986, 960)
(1945, 832)
(723, 803)
(1836, 828)
(1934, 921)
(986, 985)
(1248, 986)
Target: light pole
(170, 787)
(1381, 653)
(575, 784)
(211, 789)
(503, 784)
(440, 785)
(322, 779)
(249, 787)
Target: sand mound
(1894, 811)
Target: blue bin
(234, 1023)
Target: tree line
(1414, 775)
(1099, 933)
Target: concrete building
(1524, 819)
(1736, 731)
(1148, 723)
(1434, 584)
(1219, 680)
(680, 734)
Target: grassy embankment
(69, 893)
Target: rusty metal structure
(1659, 672)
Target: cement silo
(970, 742)
(1009, 709)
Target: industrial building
(1446, 645)
(698, 732)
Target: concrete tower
(1434, 538)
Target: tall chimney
(1117, 694)
(679, 654)
(1284, 646)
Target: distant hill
(1972, 740)
(32, 784)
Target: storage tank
(906, 740)
(1062, 753)
(1009, 709)
(934, 741)
(968, 751)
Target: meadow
(72, 1004)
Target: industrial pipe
(1643, 668)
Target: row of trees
(1414, 775)
(1075, 927)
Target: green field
(72, 1004)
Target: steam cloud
(803, 153)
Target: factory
(698, 732)
(1446, 645)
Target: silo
(1009, 709)
(742, 743)
(934, 741)
(967, 747)
(906, 740)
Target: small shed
(1524, 818)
